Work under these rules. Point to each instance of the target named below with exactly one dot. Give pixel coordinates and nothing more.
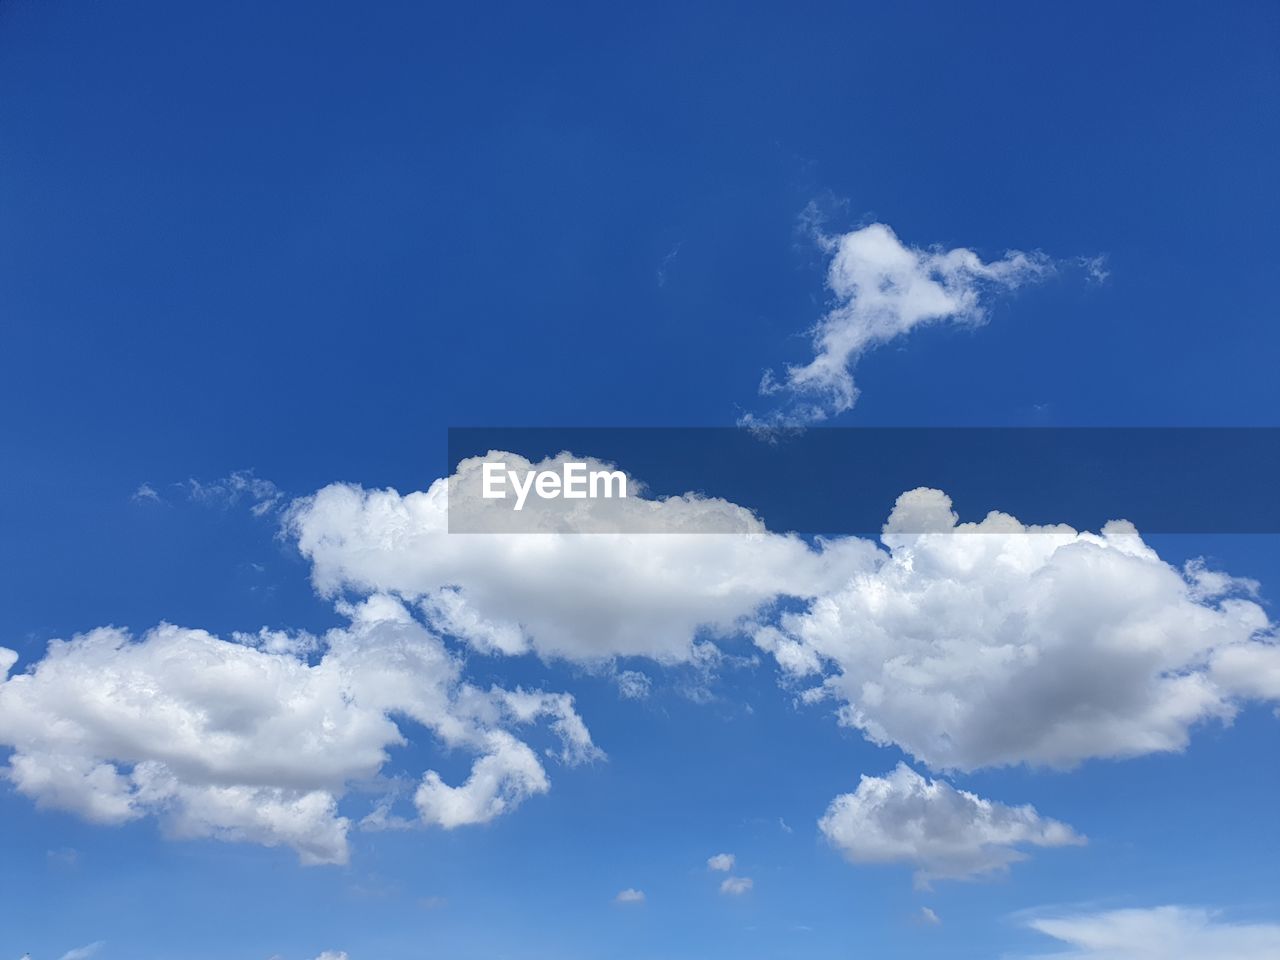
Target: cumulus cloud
(736, 886)
(967, 645)
(721, 861)
(1249, 669)
(883, 289)
(559, 594)
(929, 918)
(945, 833)
(255, 742)
(982, 644)
(629, 895)
(333, 955)
(500, 780)
(83, 953)
(1159, 933)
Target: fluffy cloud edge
(943, 832)
(884, 289)
(955, 643)
(252, 740)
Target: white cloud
(971, 646)
(505, 776)
(1249, 669)
(884, 289)
(563, 594)
(975, 645)
(145, 494)
(736, 886)
(1095, 268)
(633, 685)
(83, 953)
(945, 833)
(1159, 933)
(998, 643)
(241, 486)
(629, 895)
(333, 955)
(243, 742)
(929, 918)
(721, 861)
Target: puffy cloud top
(967, 645)
(572, 595)
(982, 644)
(229, 740)
(944, 832)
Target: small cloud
(721, 861)
(1095, 268)
(736, 886)
(629, 895)
(945, 832)
(929, 918)
(882, 290)
(242, 486)
(83, 953)
(633, 685)
(146, 493)
(333, 955)
(64, 856)
(432, 903)
(782, 825)
(666, 262)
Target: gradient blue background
(308, 237)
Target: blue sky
(304, 241)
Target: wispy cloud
(83, 953)
(1095, 268)
(241, 486)
(666, 262)
(64, 856)
(633, 685)
(145, 494)
(884, 289)
(1159, 933)
(736, 886)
